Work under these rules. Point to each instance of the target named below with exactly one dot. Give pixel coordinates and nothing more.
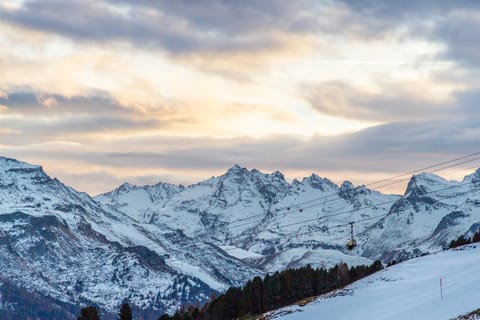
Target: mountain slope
(248, 210)
(64, 245)
(406, 290)
(285, 224)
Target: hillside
(409, 290)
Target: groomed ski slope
(409, 290)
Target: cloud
(98, 115)
(393, 102)
(380, 151)
(451, 23)
(177, 27)
(458, 31)
(126, 89)
(392, 14)
(49, 102)
(184, 28)
(44, 117)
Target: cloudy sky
(105, 91)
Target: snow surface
(240, 253)
(321, 258)
(409, 290)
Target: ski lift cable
(331, 215)
(235, 226)
(326, 200)
(337, 214)
(407, 173)
(183, 250)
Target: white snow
(320, 258)
(240, 253)
(409, 290)
(198, 272)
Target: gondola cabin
(351, 243)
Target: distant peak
(474, 177)
(126, 186)
(419, 184)
(295, 181)
(318, 182)
(237, 168)
(278, 174)
(315, 176)
(347, 185)
(476, 174)
(425, 178)
(13, 164)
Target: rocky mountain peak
(20, 173)
(278, 175)
(237, 170)
(346, 186)
(8, 164)
(126, 187)
(474, 177)
(422, 183)
(317, 182)
(347, 191)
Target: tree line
(463, 241)
(260, 295)
(274, 291)
(91, 313)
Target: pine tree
(126, 312)
(476, 237)
(89, 313)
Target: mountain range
(163, 246)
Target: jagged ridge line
(404, 174)
(302, 222)
(347, 224)
(333, 200)
(280, 213)
(313, 206)
(298, 234)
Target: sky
(108, 91)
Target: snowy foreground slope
(409, 290)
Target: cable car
(351, 243)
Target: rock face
(163, 246)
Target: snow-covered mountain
(409, 290)
(64, 245)
(162, 246)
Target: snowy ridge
(68, 246)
